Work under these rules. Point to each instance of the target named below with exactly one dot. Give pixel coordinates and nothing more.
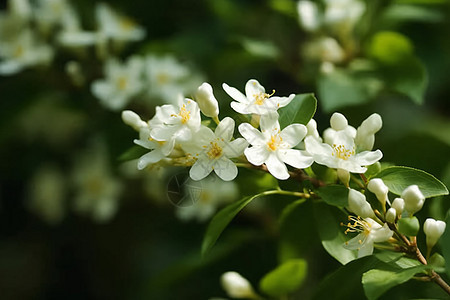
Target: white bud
(206, 100)
(344, 176)
(236, 286)
(311, 128)
(372, 124)
(357, 204)
(391, 215)
(132, 119)
(380, 190)
(414, 199)
(308, 15)
(433, 230)
(338, 121)
(399, 205)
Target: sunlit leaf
(399, 178)
(285, 279)
(301, 109)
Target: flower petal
(225, 169)
(225, 129)
(295, 158)
(269, 122)
(256, 155)
(293, 134)
(276, 167)
(239, 107)
(150, 158)
(253, 88)
(382, 234)
(200, 169)
(316, 148)
(235, 94)
(283, 101)
(235, 148)
(366, 158)
(251, 134)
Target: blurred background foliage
(145, 252)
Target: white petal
(256, 155)
(235, 148)
(269, 122)
(293, 134)
(225, 129)
(150, 158)
(365, 249)
(316, 148)
(294, 157)
(382, 234)
(225, 169)
(350, 165)
(276, 167)
(251, 134)
(239, 107)
(252, 88)
(367, 158)
(283, 101)
(200, 169)
(356, 242)
(235, 94)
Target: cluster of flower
(379, 228)
(176, 135)
(332, 28)
(28, 29)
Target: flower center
(215, 151)
(261, 97)
(122, 83)
(359, 225)
(19, 51)
(184, 114)
(162, 78)
(341, 152)
(126, 24)
(274, 142)
(205, 197)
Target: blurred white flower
(47, 192)
(324, 49)
(206, 196)
(122, 83)
(213, 150)
(308, 13)
(273, 146)
(23, 51)
(50, 14)
(97, 190)
(370, 232)
(115, 26)
(342, 15)
(71, 33)
(255, 100)
(237, 286)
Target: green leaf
(331, 233)
(285, 279)
(343, 88)
(445, 243)
(409, 226)
(133, 153)
(289, 209)
(336, 195)
(390, 47)
(221, 220)
(301, 109)
(399, 178)
(377, 282)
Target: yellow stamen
(275, 141)
(126, 24)
(341, 152)
(261, 97)
(215, 151)
(122, 83)
(162, 78)
(184, 114)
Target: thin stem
(216, 120)
(355, 180)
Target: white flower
(370, 232)
(357, 204)
(20, 8)
(51, 13)
(25, 50)
(156, 147)
(117, 27)
(236, 286)
(206, 101)
(274, 147)
(377, 186)
(255, 100)
(399, 205)
(71, 33)
(433, 230)
(309, 17)
(342, 15)
(414, 199)
(132, 119)
(365, 134)
(205, 196)
(339, 150)
(122, 82)
(167, 77)
(324, 49)
(173, 124)
(97, 189)
(213, 151)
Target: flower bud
(433, 230)
(236, 286)
(132, 119)
(338, 121)
(391, 215)
(312, 130)
(206, 100)
(414, 199)
(308, 15)
(380, 190)
(398, 204)
(344, 176)
(357, 204)
(372, 124)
